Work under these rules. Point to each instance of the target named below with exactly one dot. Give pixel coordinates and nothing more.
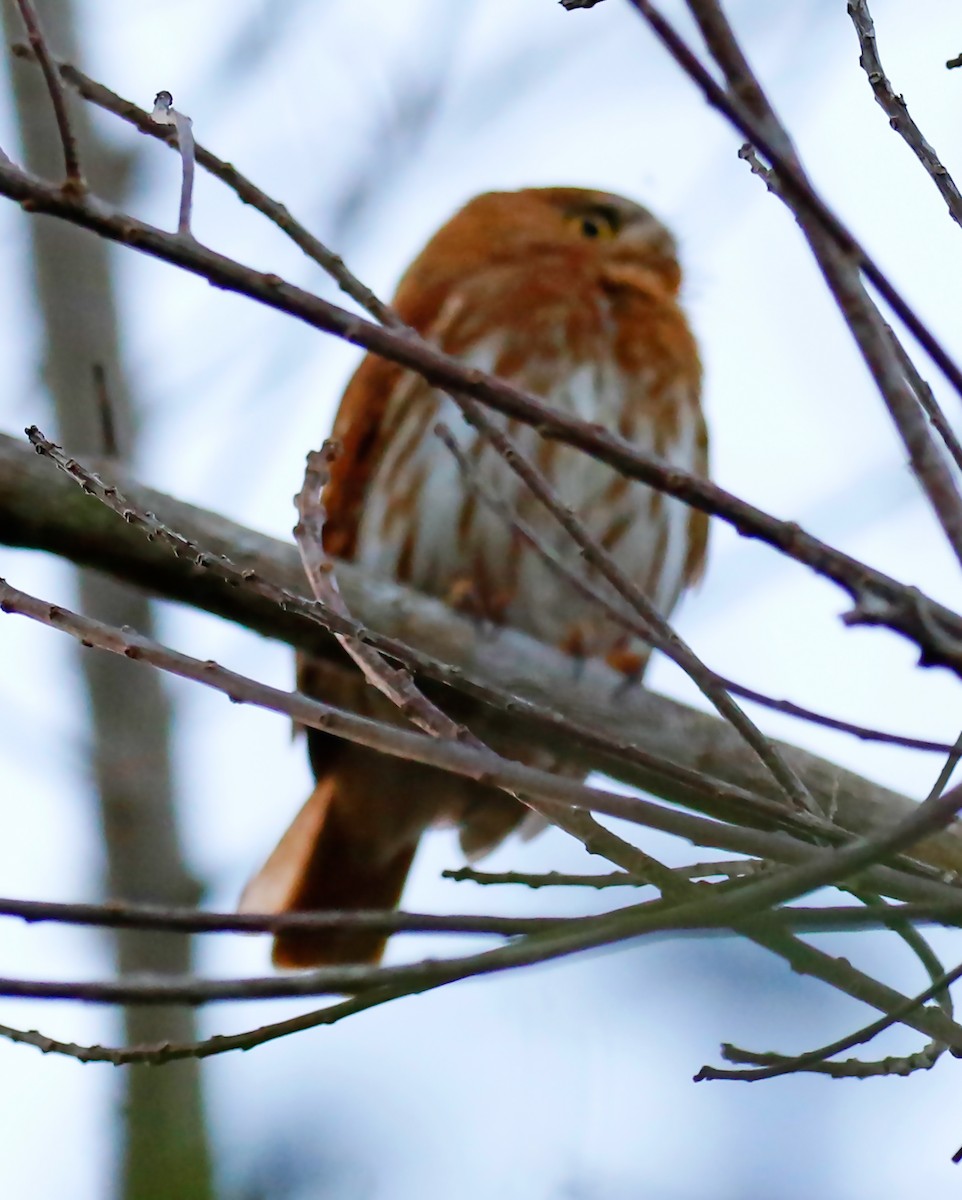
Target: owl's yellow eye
(599, 222)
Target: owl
(572, 295)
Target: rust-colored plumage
(571, 294)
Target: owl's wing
(360, 428)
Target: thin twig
(895, 108)
(799, 919)
(592, 932)
(38, 44)
(833, 866)
(573, 936)
(926, 397)
(396, 682)
(116, 915)
(814, 1060)
(581, 584)
(805, 959)
(576, 935)
(164, 113)
(920, 387)
(734, 868)
(652, 628)
(540, 880)
(864, 733)
(249, 193)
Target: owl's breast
(425, 521)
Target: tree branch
(895, 108)
(600, 723)
(58, 99)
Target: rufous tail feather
(330, 858)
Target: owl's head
(592, 229)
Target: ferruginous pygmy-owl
(569, 294)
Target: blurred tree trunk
(165, 1150)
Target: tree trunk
(165, 1151)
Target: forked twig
(815, 1060)
(248, 192)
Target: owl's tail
(336, 854)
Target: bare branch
(652, 627)
(452, 755)
(175, 919)
(579, 583)
(340, 622)
(58, 99)
(817, 1061)
(840, 260)
(926, 398)
(246, 191)
(327, 981)
(923, 392)
(117, 915)
(814, 1060)
(394, 682)
(164, 113)
(895, 108)
(729, 870)
(590, 719)
(773, 147)
(804, 958)
(331, 612)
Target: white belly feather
(429, 541)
